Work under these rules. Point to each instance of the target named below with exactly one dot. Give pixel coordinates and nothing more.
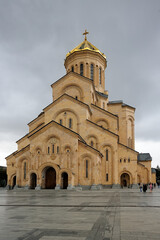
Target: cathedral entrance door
(14, 182)
(33, 181)
(125, 180)
(64, 180)
(50, 178)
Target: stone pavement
(109, 214)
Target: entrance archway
(50, 178)
(125, 180)
(33, 182)
(64, 180)
(14, 182)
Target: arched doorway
(50, 179)
(33, 182)
(64, 180)
(14, 182)
(125, 180)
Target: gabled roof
(102, 94)
(120, 102)
(58, 124)
(71, 98)
(144, 157)
(153, 170)
(102, 128)
(99, 108)
(127, 147)
(91, 148)
(73, 73)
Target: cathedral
(81, 140)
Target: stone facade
(81, 140)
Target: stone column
(115, 170)
(87, 70)
(103, 79)
(76, 68)
(96, 76)
(18, 180)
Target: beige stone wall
(126, 123)
(127, 163)
(153, 178)
(142, 174)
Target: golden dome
(85, 45)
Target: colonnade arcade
(49, 176)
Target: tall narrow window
(53, 148)
(57, 149)
(48, 150)
(60, 121)
(100, 75)
(25, 170)
(81, 69)
(72, 69)
(70, 123)
(106, 177)
(92, 72)
(106, 154)
(76, 97)
(91, 143)
(86, 168)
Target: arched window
(106, 177)
(91, 143)
(124, 160)
(60, 121)
(48, 150)
(120, 160)
(86, 168)
(72, 69)
(70, 123)
(76, 97)
(106, 154)
(81, 69)
(53, 148)
(92, 73)
(100, 75)
(128, 159)
(24, 170)
(57, 149)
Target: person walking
(150, 187)
(141, 186)
(144, 187)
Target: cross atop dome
(85, 33)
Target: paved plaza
(124, 214)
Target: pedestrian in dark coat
(144, 187)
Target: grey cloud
(35, 36)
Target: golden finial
(85, 33)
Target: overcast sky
(35, 36)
